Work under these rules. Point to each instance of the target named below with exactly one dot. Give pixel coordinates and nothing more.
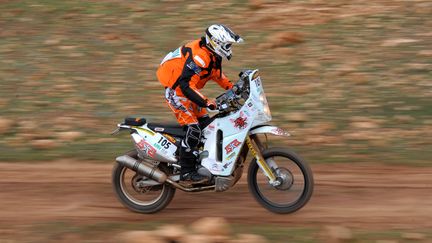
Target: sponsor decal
(232, 145)
(230, 156)
(140, 144)
(192, 66)
(211, 127)
(215, 167)
(206, 133)
(164, 143)
(240, 122)
(146, 148)
(227, 164)
(251, 107)
(159, 129)
(257, 82)
(278, 131)
(157, 146)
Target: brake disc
(136, 183)
(141, 184)
(285, 177)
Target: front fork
(256, 147)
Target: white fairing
(270, 129)
(235, 128)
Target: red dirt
(361, 196)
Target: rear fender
(269, 129)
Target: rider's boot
(188, 173)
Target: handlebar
(224, 100)
(230, 100)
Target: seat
(170, 128)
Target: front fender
(269, 129)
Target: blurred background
(350, 80)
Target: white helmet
(219, 39)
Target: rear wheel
(137, 193)
(294, 175)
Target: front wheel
(294, 175)
(135, 193)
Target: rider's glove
(211, 105)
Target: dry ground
(360, 196)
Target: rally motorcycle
(146, 178)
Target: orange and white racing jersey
(188, 68)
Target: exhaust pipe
(152, 172)
(143, 168)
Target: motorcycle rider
(183, 72)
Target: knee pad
(193, 136)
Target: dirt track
(363, 196)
